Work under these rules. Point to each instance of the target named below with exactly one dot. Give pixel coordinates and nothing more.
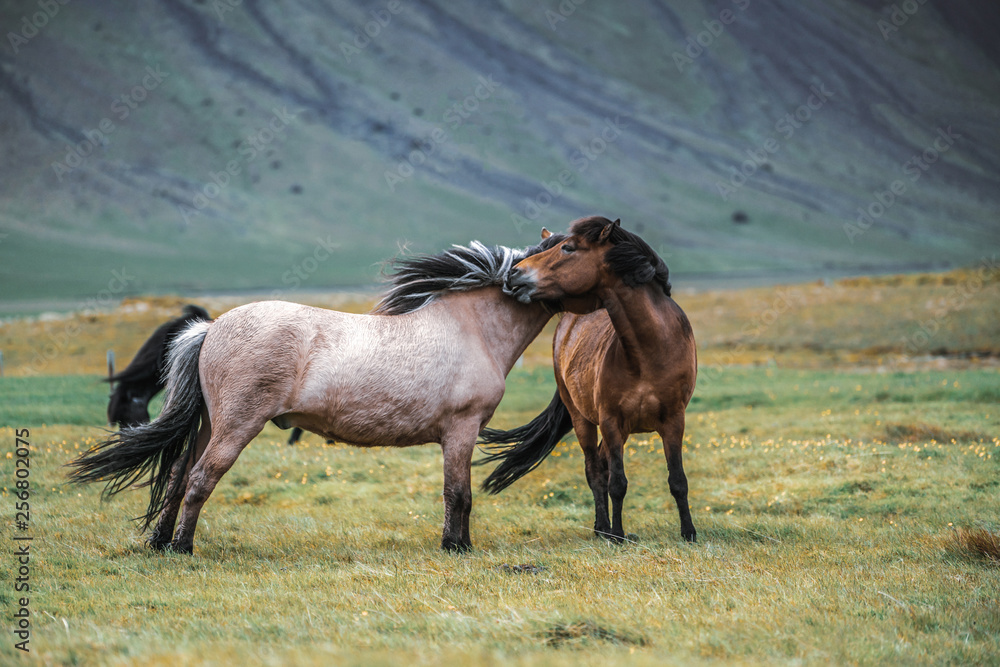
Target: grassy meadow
(844, 488)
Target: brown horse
(625, 362)
(428, 365)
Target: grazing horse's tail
(527, 446)
(125, 457)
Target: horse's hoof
(610, 537)
(604, 533)
(690, 537)
(182, 548)
(157, 545)
(456, 547)
(631, 537)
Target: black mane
(631, 258)
(417, 281)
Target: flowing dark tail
(527, 446)
(128, 455)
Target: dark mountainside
(172, 145)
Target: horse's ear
(606, 232)
(545, 233)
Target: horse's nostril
(516, 284)
(513, 278)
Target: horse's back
(355, 378)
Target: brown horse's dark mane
(631, 258)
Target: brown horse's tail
(128, 455)
(520, 450)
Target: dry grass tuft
(921, 432)
(523, 568)
(581, 631)
(978, 543)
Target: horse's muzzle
(519, 285)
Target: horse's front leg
(613, 444)
(596, 468)
(457, 446)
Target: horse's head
(128, 407)
(574, 268)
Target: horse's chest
(647, 413)
(637, 406)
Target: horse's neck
(641, 321)
(506, 326)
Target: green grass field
(833, 511)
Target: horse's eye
(567, 248)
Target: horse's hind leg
(672, 433)
(224, 447)
(163, 533)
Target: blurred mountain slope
(212, 145)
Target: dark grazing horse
(136, 384)
(143, 378)
(625, 362)
(427, 365)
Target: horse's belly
(370, 432)
(371, 421)
(369, 392)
